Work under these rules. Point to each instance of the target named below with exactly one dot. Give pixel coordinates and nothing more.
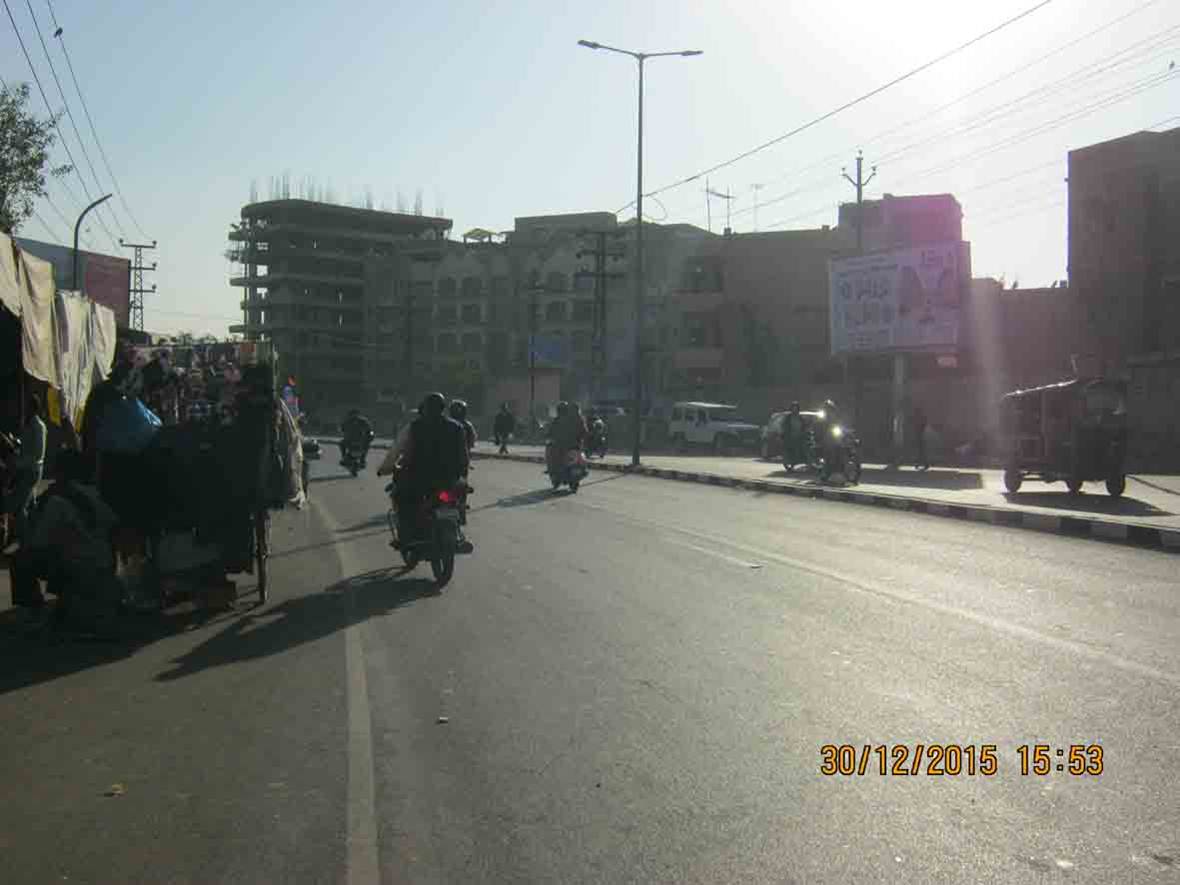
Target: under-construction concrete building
(317, 280)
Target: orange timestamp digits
(904, 760)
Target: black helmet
(795, 406)
(829, 405)
(434, 405)
(563, 408)
(458, 409)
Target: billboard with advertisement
(905, 300)
(106, 279)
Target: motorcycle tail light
(444, 497)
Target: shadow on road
(372, 522)
(1084, 503)
(336, 477)
(540, 496)
(305, 619)
(294, 551)
(946, 480)
(30, 659)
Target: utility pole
(728, 198)
(136, 289)
(708, 206)
(756, 188)
(860, 183)
(601, 280)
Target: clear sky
(493, 111)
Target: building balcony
(273, 279)
(289, 300)
(692, 358)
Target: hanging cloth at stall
(37, 296)
(9, 278)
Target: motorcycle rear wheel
(442, 560)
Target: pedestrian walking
(922, 462)
(503, 427)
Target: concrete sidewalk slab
(1147, 515)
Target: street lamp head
(693, 52)
(589, 44)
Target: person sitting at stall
(26, 467)
(69, 543)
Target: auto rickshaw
(1074, 431)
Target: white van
(716, 425)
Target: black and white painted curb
(1072, 526)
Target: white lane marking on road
(871, 588)
(716, 555)
(363, 865)
(361, 856)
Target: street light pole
(77, 227)
(640, 58)
(639, 282)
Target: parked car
(716, 425)
(772, 433)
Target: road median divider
(1073, 526)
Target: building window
(471, 313)
(447, 316)
(583, 311)
(446, 287)
(556, 281)
(472, 342)
(472, 286)
(447, 343)
(555, 312)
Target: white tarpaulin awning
(9, 279)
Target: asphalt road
(632, 684)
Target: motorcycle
(436, 530)
(353, 458)
(571, 471)
(840, 454)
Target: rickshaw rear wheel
(1012, 480)
(1115, 485)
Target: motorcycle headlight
(837, 432)
(822, 414)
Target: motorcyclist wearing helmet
(433, 454)
(459, 413)
(357, 433)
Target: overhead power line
(93, 130)
(49, 107)
(73, 122)
(850, 104)
(1082, 74)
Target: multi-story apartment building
(310, 287)
(1124, 263)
